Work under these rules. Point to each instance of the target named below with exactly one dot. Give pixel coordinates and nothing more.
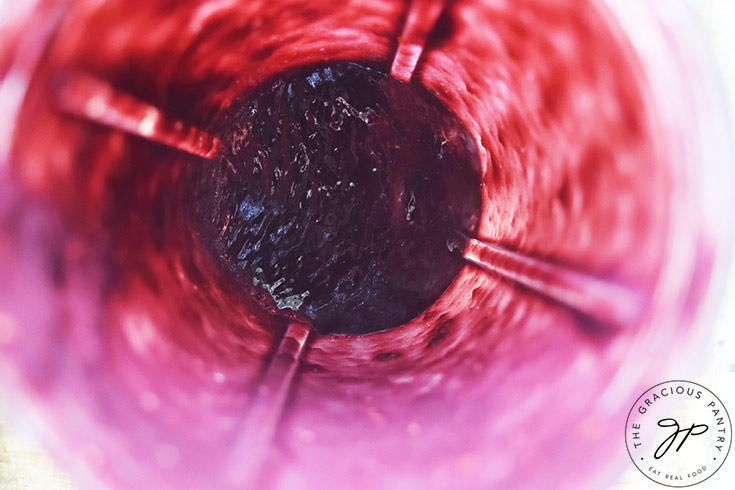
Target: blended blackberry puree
(310, 244)
(345, 194)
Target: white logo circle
(678, 433)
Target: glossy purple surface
(344, 193)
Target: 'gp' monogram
(702, 428)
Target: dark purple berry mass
(345, 194)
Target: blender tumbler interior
(528, 157)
